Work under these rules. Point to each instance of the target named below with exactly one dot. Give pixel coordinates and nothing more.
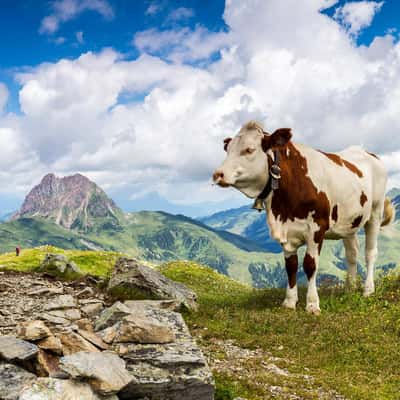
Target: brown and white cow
(317, 196)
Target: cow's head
(246, 165)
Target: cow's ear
(226, 142)
(266, 142)
(280, 137)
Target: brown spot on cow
(335, 213)
(297, 196)
(356, 222)
(342, 162)
(291, 264)
(309, 266)
(363, 199)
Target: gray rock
(60, 389)
(59, 265)
(12, 380)
(108, 335)
(139, 328)
(33, 330)
(111, 315)
(14, 349)
(105, 371)
(60, 302)
(172, 371)
(129, 275)
(137, 305)
(92, 309)
(71, 314)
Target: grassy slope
(98, 263)
(352, 347)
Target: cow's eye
(250, 150)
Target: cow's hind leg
(291, 263)
(351, 246)
(372, 228)
(310, 266)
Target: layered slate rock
(145, 282)
(59, 265)
(14, 349)
(172, 371)
(105, 371)
(12, 380)
(33, 330)
(60, 389)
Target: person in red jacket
(17, 251)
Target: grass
(97, 263)
(353, 347)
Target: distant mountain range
(73, 212)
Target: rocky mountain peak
(74, 202)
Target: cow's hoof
(368, 290)
(288, 303)
(313, 309)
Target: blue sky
(138, 95)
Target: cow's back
(354, 182)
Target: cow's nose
(218, 175)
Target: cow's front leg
(310, 266)
(291, 263)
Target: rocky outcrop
(137, 349)
(73, 202)
(59, 265)
(129, 276)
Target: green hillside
(251, 224)
(349, 351)
(157, 237)
(152, 236)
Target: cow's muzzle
(219, 179)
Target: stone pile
(63, 340)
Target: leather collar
(272, 184)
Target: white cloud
(65, 10)
(357, 15)
(3, 96)
(181, 44)
(168, 138)
(155, 7)
(180, 14)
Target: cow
(310, 195)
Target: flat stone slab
(105, 371)
(14, 349)
(12, 380)
(61, 389)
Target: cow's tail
(389, 212)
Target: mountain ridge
(73, 202)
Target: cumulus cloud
(357, 15)
(180, 14)
(65, 10)
(168, 137)
(181, 44)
